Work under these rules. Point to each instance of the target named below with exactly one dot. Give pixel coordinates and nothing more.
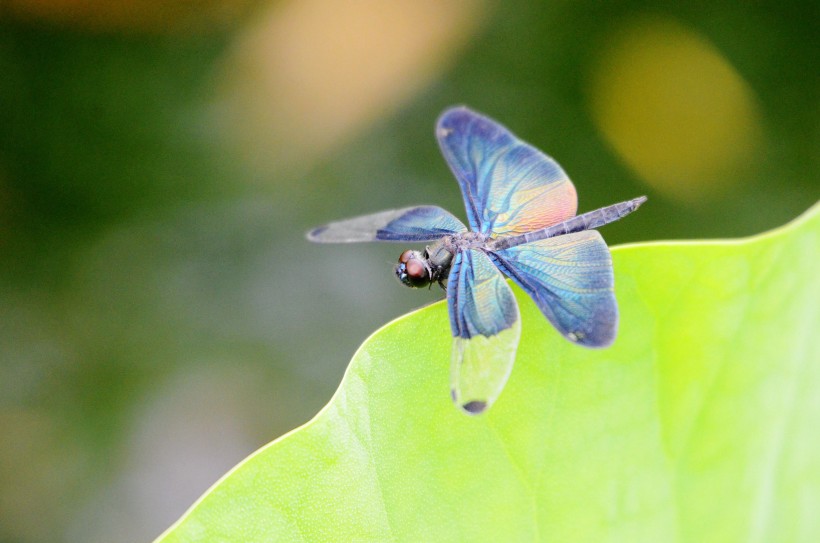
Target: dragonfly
(521, 208)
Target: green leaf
(699, 424)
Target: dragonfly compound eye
(405, 256)
(412, 271)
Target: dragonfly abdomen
(586, 221)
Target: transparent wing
(486, 328)
(509, 187)
(570, 277)
(422, 223)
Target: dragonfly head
(413, 269)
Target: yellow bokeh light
(674, 109)
(310, 73)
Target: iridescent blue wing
(486, 328)
(422, 223)
(571, 280)
(509, 187)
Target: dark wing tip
(596, 343)
(475, 407)
(596, 338)
(316, 234)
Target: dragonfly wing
(486, 328)
(509, 187)
(570, 278)
(422, 223)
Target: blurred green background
(161, 314)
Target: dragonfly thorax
(418, 269)
(465, 240)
